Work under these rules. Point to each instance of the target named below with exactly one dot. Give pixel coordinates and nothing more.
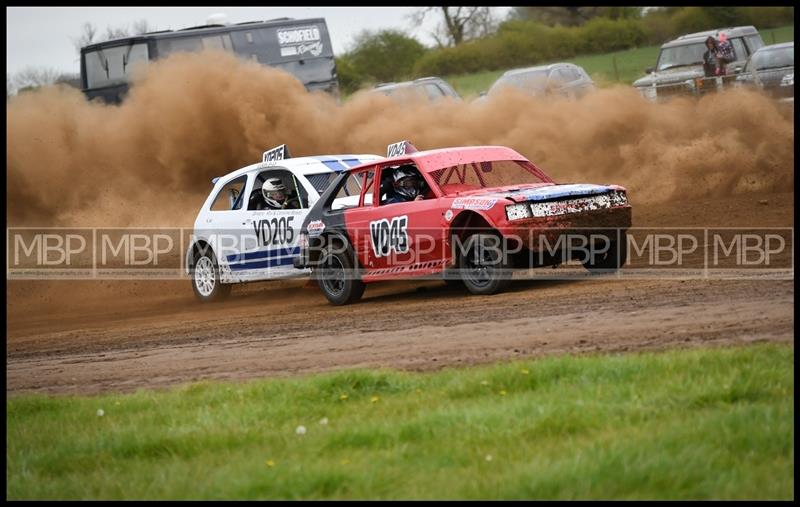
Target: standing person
(710, 62)
(724, 54)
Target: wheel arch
(194, 252)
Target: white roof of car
(308, 165)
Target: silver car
(564, 79)
(432, 89)
(771, 69)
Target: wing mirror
(482, 94)
(649, 70)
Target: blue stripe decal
(351, 162)
(332, 163)
(261, 254)
(269, 263)
(555, 191)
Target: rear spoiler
(400, 148)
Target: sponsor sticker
(479, 203)
(315, 228)
(300, 40)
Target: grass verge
(706, 423)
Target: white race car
(238, 238)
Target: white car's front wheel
(205, 280)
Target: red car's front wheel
(485, 267)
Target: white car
(236, 241)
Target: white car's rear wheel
(205, 280)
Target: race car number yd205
(387, 236)
(274, 231)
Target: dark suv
(679, 70)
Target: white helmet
(274, 192)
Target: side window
(218, 42)
(413, 184)
(294, 194)
(169, 46)
(574, 72)
(560, 76)
(754, 42)
(739, 51)
(349, 192)
(433, 91)
(230, 196)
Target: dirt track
(87, 337)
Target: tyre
(485, 269)
(205, 279)
(452, 279)
(610, 261)
(337, 278)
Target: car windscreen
(477, 175)
(772, 59)
(679, 56)
(113, 65)
(532, 81)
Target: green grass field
(699, 424)
(630, 65)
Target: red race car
(469, 215)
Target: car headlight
(788, 80)
(518, 211)
(648, 92)
(618, 198)
(690, 83)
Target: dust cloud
(192, 117)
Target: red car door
(399, 239)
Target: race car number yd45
(389, 236)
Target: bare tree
(458, 24)
(116, 32)
(89, 33)
(35, 77)
(141, 26)
(86, 37)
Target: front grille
(672, 89)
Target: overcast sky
(42, 36)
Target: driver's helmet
(406, 182)
(274, 192)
